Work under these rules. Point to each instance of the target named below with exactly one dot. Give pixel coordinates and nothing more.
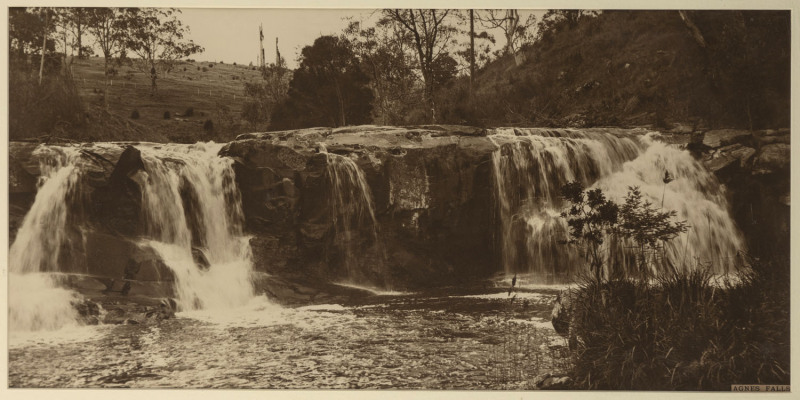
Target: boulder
(735, 155)
(553, 382)
(723, 137)
(773, 158)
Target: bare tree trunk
(471, 51)
(698, 37)
(44, 46)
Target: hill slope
(645, 67)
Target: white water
(713, 240)
(35, 301)
(532, 165)
(189, 198)
(352, 212)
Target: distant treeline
(571, 68)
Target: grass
(683, 332)
(216, 94)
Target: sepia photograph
(442, 199)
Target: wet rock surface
(431, 187)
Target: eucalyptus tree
(156, 36)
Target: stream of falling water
(532, 165)
(35, 300)
(190, 202)
(352, 212)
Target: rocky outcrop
(432, 193)
(755, 168)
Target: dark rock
(723, 137)
(129, 163)
(728, 156)
(773, 158)
(200, 258)
(553, 382)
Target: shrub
(37, 109)
(205, 69)
(208, 126)
(189, 112)
(682, 333)
(198, 68)
(210, 65)
(135, 114)
(167, 115)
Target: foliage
(382, 52)
(430, 34)
(591, 217)
(647, 226)
(265, 95)
(155, 35)
(208, 126)
(684, 333)
(43, 109)
(594, 220)
(135, 114)
(517, 32)
(167, 115)
(623, 68)
(327, 89)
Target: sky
(231, 34)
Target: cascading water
(532, 165)
(352, 212)
(190, 200)
(35, 301)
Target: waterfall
(191, 206)
(352, 212)
(36, 302)
(532, 165)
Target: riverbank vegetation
(676, 329)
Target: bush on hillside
(35, 110)
(167, 115)
(135, 114)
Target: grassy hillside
(644, 68)
(212, 91)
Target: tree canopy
(327, 89)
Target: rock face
(431, 191)
(754, 166)
(431, 188)
(104, 247)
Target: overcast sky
(231, 34)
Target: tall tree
(108, 26)
(383, 56)
(516, 31)
(431, 34)
(155, 35)
(328, 88)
